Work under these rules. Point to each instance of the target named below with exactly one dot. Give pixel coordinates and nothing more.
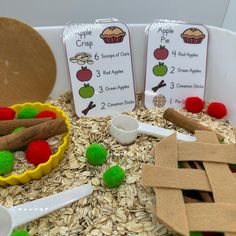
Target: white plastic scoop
(125, 130)
(21, 214)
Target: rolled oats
(121, 211)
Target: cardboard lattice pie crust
(218, 214)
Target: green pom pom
(96, 154)
(18, 130)
(20, 233)
(233, 167)
(114, 176)
(222, 141)
(6, 162)
(180, 165)
(196, 234)
(15, 131)
(27, 112)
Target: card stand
(176, 63)
(100, 67)
(210, 176)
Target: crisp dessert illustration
(113, 34)
(193, 36)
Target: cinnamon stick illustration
(40, 131)
(160, 85)
(186, 123)
(7, 126)
(88, 108)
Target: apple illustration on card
(84, 74)
(160, 69)
(161, 53)
(86, 91)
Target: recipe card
(100, 67)
(176, 63)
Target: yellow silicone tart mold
(43, 168)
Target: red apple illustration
(161, 53)
(87, 91)
(84, 74)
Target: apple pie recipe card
(100, 67)
(176, 63)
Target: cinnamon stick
(190, 200)
(40, 131)
(7, 126)
(186, 123)
(204, 195)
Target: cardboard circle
(27, 64)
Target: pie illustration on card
(193, 36)
(113, 34)
(159, 101)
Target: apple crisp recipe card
(176, 63)
(100, 67)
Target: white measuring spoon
(125, 130)
(21, 214)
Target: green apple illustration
(160, 69)
(87, 91)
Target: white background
(230, 16)
(60, 12)
(219, 13)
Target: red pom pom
(209, 233)
(7, 113)
(38, 152)
(47, 114)
(217, 110)
(194, 104)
